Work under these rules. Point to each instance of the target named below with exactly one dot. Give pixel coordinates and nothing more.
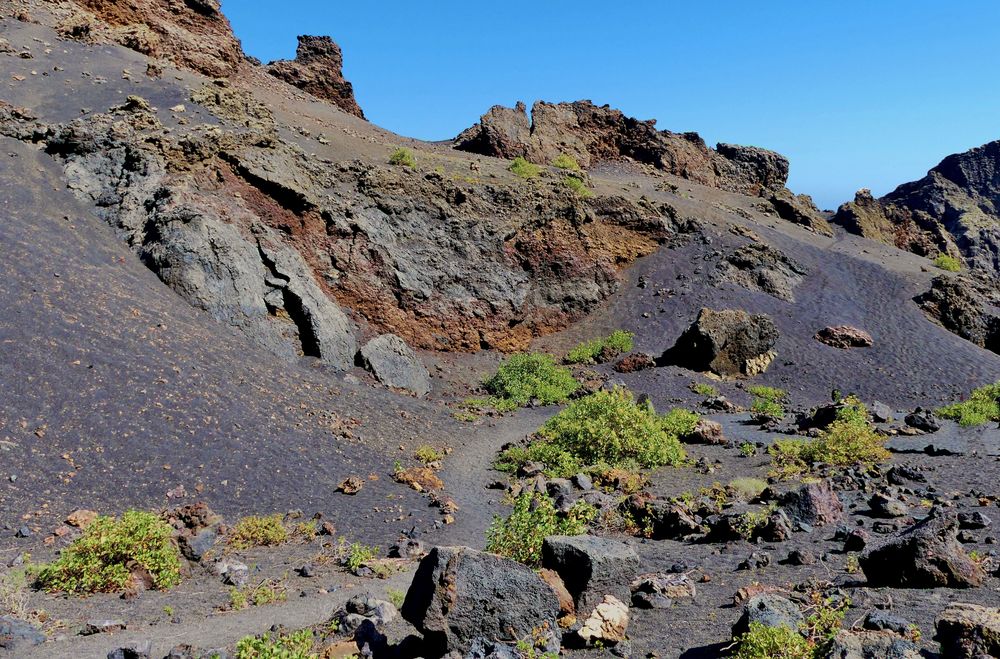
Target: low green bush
(103, 558)
(847, 442)
(527, 377)
(611, 427)
(402, 157)
(703, 389)
(533, 518)
(526, 170)
(617, 342)
(297, 645)
(948, 263)
(982, 406)
(567, 162)
(577, 185)
(768, 393)
(255, 531)
(763, 642)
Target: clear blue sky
(856, 93)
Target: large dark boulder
(460, 596)
(17, 635)
(770, 610)
(962, 309)
(591, 568)
(812, 504)
(925, 555)
(727, 342)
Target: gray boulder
(728, 342)
(813, 504)
(18, 635)
(390, 360)
(769, 610)
(591, 568)
(852, 644)
(460, 597)
(968, 631)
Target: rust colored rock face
(193, 34)
(844, 337)
(318, 70)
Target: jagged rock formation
(591, 134)
(727, 342)
(955, 209)
(763, 268)
(191, 34)
(318, 68)
(963, 309)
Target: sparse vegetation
(534, 518)
(427, 454)
(577, 185)
(768, 402)
(402, 157)
(748, 449)
(355, 554)
(614, 344)
(948, 263)
(746, 489)
(296, 645)
(527, 377)
(811, 641)
(103, 559)
(982, 406)
(567, 162)
(526, 170)
(255, 531)
(396, 597)
(848, 441)
(14, 593)
(266, 592)
(704, 389)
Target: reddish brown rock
(637, 361)
(318, 69)
(844, 337)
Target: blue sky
(856, 94)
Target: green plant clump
(402, 157)
(102, 560)
(534, 518)
(526, 170)
(848, 441)
(703, 389)
(567, 162)
(297, 645)
(587, 352)
(527, 377)
(982, 407)
(257, 531)
(611, 427)
(948, 263)
(577, 185)
(763, 642)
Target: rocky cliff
(592, 134)
(318, 68)
(954, 210)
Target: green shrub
(359, 554)
(611, 427)
(526, 170)
(948, 263)
(254, 531)
(848, 441)
(765, 408)
(558, 462)
(264, 593)
(567, 162)
(402, 157)
(525, 377)
(763, 642)
(982, 407)
(577, 185)
(534, 518)
(746, 489)
(773, 394)
(617, 342)
(428, 454)
(703, 389)
(297, 645)
(102, 560)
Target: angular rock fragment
(729, 342)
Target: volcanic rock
(759, 267)
(728, 342)
(964, 309)
(459, 595)
(591, 567)
(968, 631)
(925, 555)
(318, 68)
(18, 635)
(844, 337)
(770, 610)
(390, 360)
